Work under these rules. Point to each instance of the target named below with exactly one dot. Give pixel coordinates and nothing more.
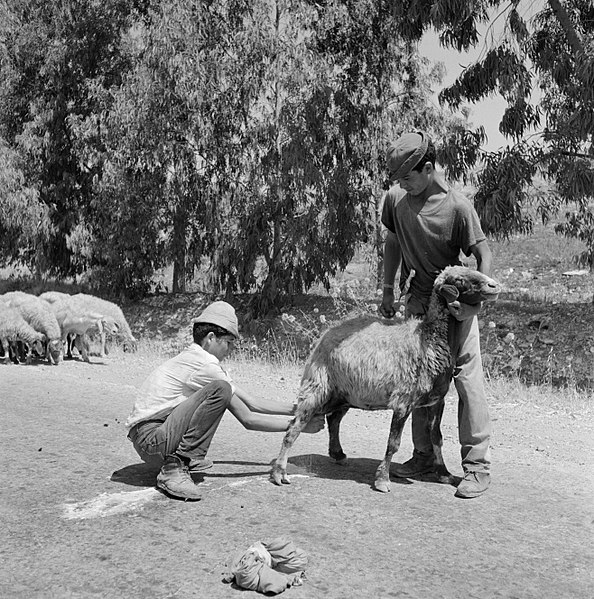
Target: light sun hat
(221, 314)
(405, 153)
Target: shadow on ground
(359, 470)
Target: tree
(250, 134)
(336, 85)
(24, 221)
(169, 138)
(54, 57)
(557, 45)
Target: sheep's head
(110, 325)
(130, 345)
(55, 349)
(37, 345)
(466, 285)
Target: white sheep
(375, 364)
(38, 314)
(113, 316)
(75, 319)
(13, 328)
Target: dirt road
(81, 517)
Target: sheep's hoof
(382, 485)
(338, 456)
(279, 477)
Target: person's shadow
(137, 475)
(145, 475)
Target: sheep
(75, 319)
(114, 317)
(13, 327)
(374, 364)
(38, 314)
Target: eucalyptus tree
(55, 57)
(249, 135)
(335, 82)
(24, 219)
(171, 144)
(551, 132)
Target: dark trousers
(187, 430)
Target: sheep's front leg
(382, 474)
(435, 413)
(278, 474)
(103, 337)
(82, 345)
(6, 347)
(334, 447)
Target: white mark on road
(109, 504)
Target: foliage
(252, 134)
(24, 219)
(52, 56)
(557, 45)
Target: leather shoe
(416, 466)
(176, 481)
(473, 484)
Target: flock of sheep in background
(51, 324)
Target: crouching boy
(181, 403)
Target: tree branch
(572, 37)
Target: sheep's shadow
(359, 470)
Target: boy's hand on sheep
(386, 308)
(464, 311)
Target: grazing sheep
(38, 314)
(113, 315)
(75, 319)
(13, 328)
(375, 364)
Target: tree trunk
(180, 222)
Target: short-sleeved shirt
(175, 380)
(431, 234)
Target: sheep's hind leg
(382, 474)
(278, 475)
(334, 447)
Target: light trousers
(474, 422)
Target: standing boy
(428, 225)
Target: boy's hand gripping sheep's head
(464, 294)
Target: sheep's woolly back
(38, 314)
(106, 308)
(365, 359)
(55, 296)
(13, 326)
(373, 363)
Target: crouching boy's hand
(464, 311)
(315, 425)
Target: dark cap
(405, 153)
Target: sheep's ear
(448, 292)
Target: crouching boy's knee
(220, 392)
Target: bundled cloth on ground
(268, 567)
